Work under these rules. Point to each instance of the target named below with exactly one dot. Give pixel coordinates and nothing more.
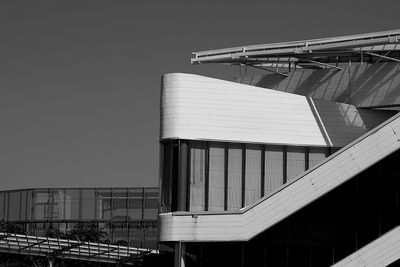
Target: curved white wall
(201, 108)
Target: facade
(296, 166)
(127, 216)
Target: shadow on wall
(341, 123)
(363, 85)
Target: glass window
(167, 177)
(120, 204)
(296, 157)
(151, 204)
(197, 176)
(55, 209)
(2, 206)
(40, 204)
(234, 177)
(88, 204)
(104, 203)
(135, 203)
(253, 175)
(29, 207)
(216, 177)
(71, 204)
(13, 205)
(23, 205)
(317, 155)
(273, 169)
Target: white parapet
(381, 252)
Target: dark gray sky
(80, 80)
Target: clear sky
(80, 80)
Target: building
(126, 216)
(296, 165)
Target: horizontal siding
(381, 252)
(316, 182)
(201, 108)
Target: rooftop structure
(292, 167)
(125, 215)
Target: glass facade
(127, 215)
(217, 176)
(324, 232)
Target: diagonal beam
(33, 245)
(102, 253)
(61, 250)
(322, 64)
(382, 56)
(4, 236)
(261, 68)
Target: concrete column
(179, 254)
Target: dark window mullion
(188, 182)
(243, 175)
(284, 164)
(263, 149)
(206, 173)
(226, 155)
(307, 158)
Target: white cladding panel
(311, 185)
(381, 252)
(201, 108)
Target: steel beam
(382, 56)
(261, 68)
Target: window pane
(151, 204)
(40, 205)
(29, 195)
(216, 178)
(135, 203)
(104, 203)
(88, 204)
(253, 175)
(13, 205)
(56, 204)
(273, 169)
(23, 205)
(234, 177)
(71, 204)
(119, 204)
(317, 155)
(197, 177)
(2, 206)
(296, 157)
(167, 177)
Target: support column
(183, 176)
(179, 254)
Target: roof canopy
(372, 47)
(70, 249)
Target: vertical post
(182, 176)
(179, 254)
(207, 176)
(307, 159)
(226, 155)
(284, 165)
(80, 203)
(189, 159)
(143, 203)
(262, 170)
(95, 204)
(243, 176)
